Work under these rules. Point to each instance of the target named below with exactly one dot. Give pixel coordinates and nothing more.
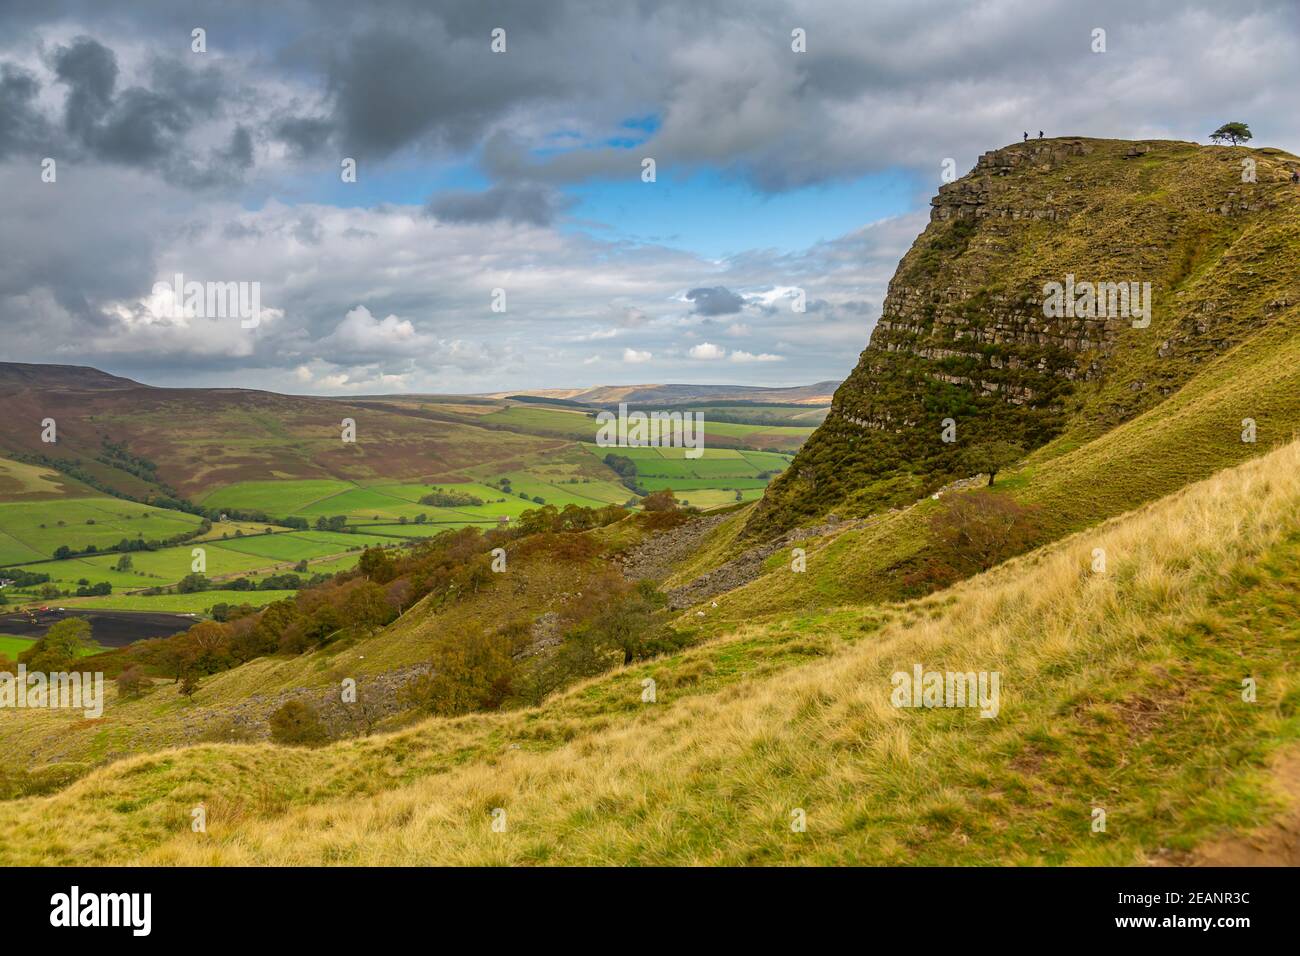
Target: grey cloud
(715, 301)
(235, 230)
(201, 90)
(524, 203)
(880, 85)
(240, 151)
(21, 126)
(308, 231)
(392, 88)
(89, 69)
(142, 127)
(305, 135)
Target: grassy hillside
(1120, 691)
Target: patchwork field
(251, 556)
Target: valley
(92, 526)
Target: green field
(714, 463)
(301, 545)
(11, 646)
(545, 421)
(583, 426)
(764, 416)
(372, 503)
(195, 603)
(275, 497)
(426, 530)
(692, 484)
(31, 530)
(709, 498)
(708, 481)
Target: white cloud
(744, 357)
(633, 357)
(362, 333)
(707, 351)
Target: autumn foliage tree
(297, 723)
(469, 671)
(979, 529)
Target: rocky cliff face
(973, 345)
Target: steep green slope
(963, 334)
(1074, 483)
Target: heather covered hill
(963, 335)
(15, 376)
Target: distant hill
(18, 375)
(121, 437)
(816, 394)
(144, 442)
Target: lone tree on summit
(1233, 132)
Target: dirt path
(1277, 844)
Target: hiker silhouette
(1295, 175)
(1040, 134)
(1026, 136)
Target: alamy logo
(1098, 300)
(35, 689)
(208, 300)
(922, 688)
(653, 430)
(103, 909)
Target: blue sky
(715, 215)
(706, 211)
